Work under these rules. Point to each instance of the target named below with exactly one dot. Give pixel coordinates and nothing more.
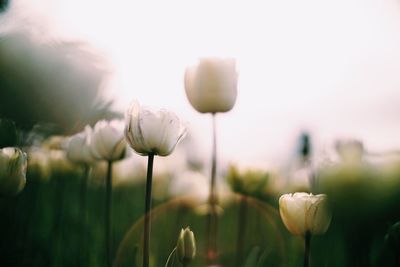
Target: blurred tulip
(152, 132)
(251, 182)
(67, 71)
(107, 140)
(56, 142)
(39, 164)
(186, 246)
(351, 151)
(78, 148)
(211, 85)
(303, 212)
(13, 163)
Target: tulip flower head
(152, 132)
(211, 85)
(186, 246)
(351, 151)
(13, 163)
(78, 148)
(107, 140)
(303, 212)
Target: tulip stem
(212, 222)
(108, 213)
(307, 247)
(83, 213)
(147, 217)
(171, 258)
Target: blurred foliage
(3, 5)
(256, 258)
(391, 249)
(44, 226)
(8, 133)
(363, 199)
(56, 85)
(251, 182)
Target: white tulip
(211, 85)
(152, 132)
(13, 163)
(303, 212)
(78, 149)
(107, 140)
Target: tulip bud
(186, 246)
(211, 85)
(152, 132)
(78, 147)
(107, 140)
(302, 212)
(13, 164)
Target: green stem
(212, 222)
(170, 257)
(83, 213)
(147, 217)
(108, 221)
(307, 242)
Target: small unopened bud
(186, 246)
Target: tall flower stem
(147, 208)
(212, 222)
(108, 222)
(242, 215)
(83, 213)
(307, 242)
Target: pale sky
(331, 67)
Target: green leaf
(263, 258)
(251, 260)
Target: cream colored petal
(106, 135)
(320, 216)
(133, 132)
(292, 211)
(152, 129)
(172, 132)
(211, 86)
(13, 170)
(192, 92)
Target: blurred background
(325, 67)
(310, 73)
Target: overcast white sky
(331, 67)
